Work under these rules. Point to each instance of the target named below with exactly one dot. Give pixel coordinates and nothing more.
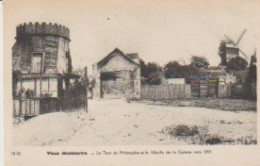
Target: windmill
(232, 48)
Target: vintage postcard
(139, 82)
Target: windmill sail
(229, 40)
(243, 54)
(239, 39)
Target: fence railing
(26, 107)
(73, 99)
(34, 106)
(158, 92)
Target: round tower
(41, 48)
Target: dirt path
(115, 122)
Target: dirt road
(116, 122)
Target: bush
(183, 130)
(214, 140)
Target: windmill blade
(244, 54)
(230, 40)
(239, 39)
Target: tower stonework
(47, 42)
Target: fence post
(20, 108)
(217, 87)
(207, 84)
(199, 88)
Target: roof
(133, 55)
(119, 52)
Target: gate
(74, 98)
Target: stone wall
(118, 63)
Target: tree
(151, 73)
(191, 71)
(237, 64)
(175, 70)
(143, 67)
(252, 69)
(222, 53)
(250, 84)
(199, 61)
(154, 78)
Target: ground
(117, 122)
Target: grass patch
(213, 103)
(198, 135)
(184, 130)
(227, 104)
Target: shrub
(213, 140)
(194, 130)
(184, 130)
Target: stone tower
(41, 48)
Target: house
(41, 63)
(117, 75)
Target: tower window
(37, 62)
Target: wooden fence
(71, 99)
(26, 107)
(204, 87)
(159, 92)
(36, 106)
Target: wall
(118, 63)
(137, 83)
(130, 79)
(62, 64)
(97, 86)
(21, 54)
(231, 53)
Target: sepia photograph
(142, 73)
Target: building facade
(41, 59)
(231, 52)
(117, 75)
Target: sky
(159, 31)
